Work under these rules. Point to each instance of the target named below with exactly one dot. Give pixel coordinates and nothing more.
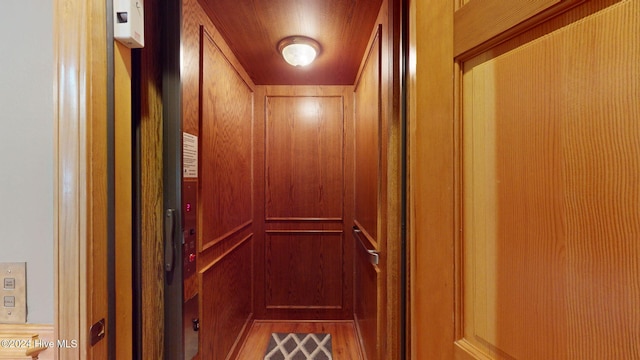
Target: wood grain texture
(254, 28)
(551, 163)
(123, 201)
(97, 186)
(367, 280)
(384, 82)
(151, 187)
(225, 300)
(485, 23)
(217, 106)
(225, 156)
(43, 332)
(302, 223)
(431, 199)
(344, 342)
(80, 195)
(304, 157)
(368, 123)
(304, 271)
(392, 18)
(369, 177)
(193, 18)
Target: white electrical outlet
(13, 293)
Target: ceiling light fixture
(299, 50)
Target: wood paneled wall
(303, 263)
(225, 292)
(368, 175)
(368, 119)
(218, 108)
(226, 110)
(373, 127)
(366, 305)
(304, 157)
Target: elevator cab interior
(289, 175)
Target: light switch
(13, 293)
(10, 301)
(9, 283)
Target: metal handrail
(374, 256)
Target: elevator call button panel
(189, 211)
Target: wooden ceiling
(253, 28)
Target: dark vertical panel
(149, 289)
(172, 175)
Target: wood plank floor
(345, 345)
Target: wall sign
(189, 155)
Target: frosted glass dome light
(299, 50)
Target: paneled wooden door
(537, 223)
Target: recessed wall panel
(225, 144)
(367, 138)
(304, 157)
(304, 270)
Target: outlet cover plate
(13, 291)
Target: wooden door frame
(431, 180)
(80, 180)
(394, 184)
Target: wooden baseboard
(27, 341)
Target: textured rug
(294, 346)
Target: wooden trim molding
(235, 231)
(481, 24)
(80, 206)
(27, 341)
(431, 214)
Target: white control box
(128, 22)
(13, 293)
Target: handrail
(374, 256)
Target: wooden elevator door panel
(551, 220)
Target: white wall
(26, 147)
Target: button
(192, 257)
(9, 301)
(9, 283)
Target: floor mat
(296, 346)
